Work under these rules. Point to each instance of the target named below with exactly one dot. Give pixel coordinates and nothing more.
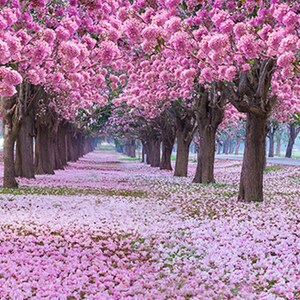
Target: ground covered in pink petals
(106, 228)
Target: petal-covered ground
(107, 228)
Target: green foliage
(69, 191)
(95, 118)
(297, 119)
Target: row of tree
(37, 140)
(184, 124)
(230, 139)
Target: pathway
(106, 228)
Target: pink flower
(248, 46)
(285, 60)
(70, 24)
(218, 42)
(148, 46)
(180, 41)
(239, 29)
(173, 25)
(9, 15)
(289, 43)
(151, 32)
(4, 52)
(172, 3)
(49, 35)
(7, 90)
(34, 77)
(62, 33)
(40, 52)
(207, 74)
(290, 19)
(230, 73)
(132, 29)
(227, 26)
(69, 49)
(3, 23)
(11, 77)
(99, 79)
(89, 42)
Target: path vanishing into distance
(110, 228)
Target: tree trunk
(61, 147)
(278, 145)
(44, 151)
(293, 133)
(154, 151)
(143, 152)
(206, 155)
(231, 146)
(182, 155)
(131, 148)
(10, 131)
(219, 147)
(168, 140)
(9, 180)
(251, 181)
(147, 152)
(71, 145)
(271, 142)
(238, 144)
(24, 164)
(166, 156)
(226, 146)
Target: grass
(270, 169)
(130, 158)
(69, 191)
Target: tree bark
(219, 147)
(168, 134)
(185, 127)
(166, 156)
(44, 151)
(231, 146)
(226, 146)
(278, 145)
(24, 164)
(130, 147)
(61, 146)
(154, 151)
(251, 182)
(238, 144)
(251, 95)
(293, 133)
(271, 143)
(10, 130)
(59, 149)
(143, 152)
(72, 144)
(206, 156)
(182, 155)
(9, 180)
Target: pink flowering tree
(51, 53)
(252, 50)
(171, 74)
(247, 52)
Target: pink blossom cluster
(220, 39)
